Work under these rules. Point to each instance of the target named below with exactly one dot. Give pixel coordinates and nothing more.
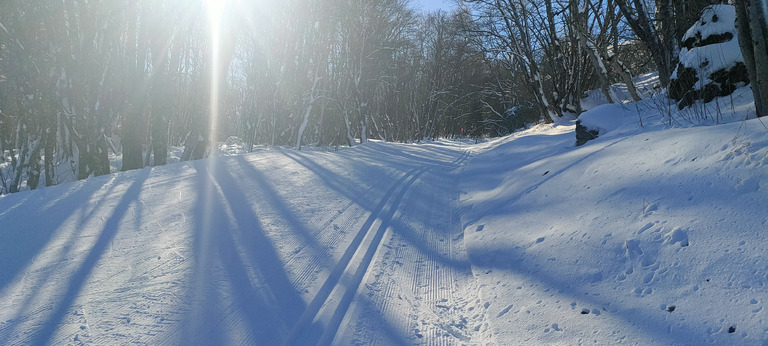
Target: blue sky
(431, 5)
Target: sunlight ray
(215, 10)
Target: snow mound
(608, 117)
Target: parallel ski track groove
(402, 316)
(333, 279)
(350, 291)
(327, 240)
(307, 272)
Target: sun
(225, 19)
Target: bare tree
(752, 20)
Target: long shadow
(546, 178)
(85, 215)
(252, 234)
(78, 278)
(395, 156)
(401, 228)
(365, 198)
(304, 330)
(514, 260)
(443, 180)
(392, 336)
(238, 245)
(506, 156)
(411, 236)
(229, 238)
(10, 202)
(386, 220)
(27, 229)
(277, 203)
(42, 281)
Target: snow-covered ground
(657, 237)
(278, 246)
(646, 235)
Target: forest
(82, 80)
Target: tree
(660, 24)
(510, 31)
(82, 80)
(752, 21)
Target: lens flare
(215, 10)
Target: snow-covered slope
(643, 236)
(646, 235)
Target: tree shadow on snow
(239, 289)
(515, 261)
(26, 232)
(78, 279)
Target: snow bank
(655, 237)
(657, 112)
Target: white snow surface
(280, 246)
(713, 57)
(647, 235)
(657, 110)
(707, 25)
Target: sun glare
(224, 18)
(215, 13)
(224, 13)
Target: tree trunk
(308, 112)
(160, 42)
(590, 48)
(752, 23)
(159, 131)
(637, 18)
(132, 136)
(48, 153)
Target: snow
(607, 117)
(713, 57)
(707, 26)
(273, 246)
(649, 235)
(621, 119)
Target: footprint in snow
(677, 236)
(649, 208)
(668, 308)
(632, 249)
(504, 311)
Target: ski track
(362, 264)
(414, 290)
(305, 329)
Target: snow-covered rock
(711, 64)
(602, 119)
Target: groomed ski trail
(277, 247)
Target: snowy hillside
(645, 235)
(652, 238)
